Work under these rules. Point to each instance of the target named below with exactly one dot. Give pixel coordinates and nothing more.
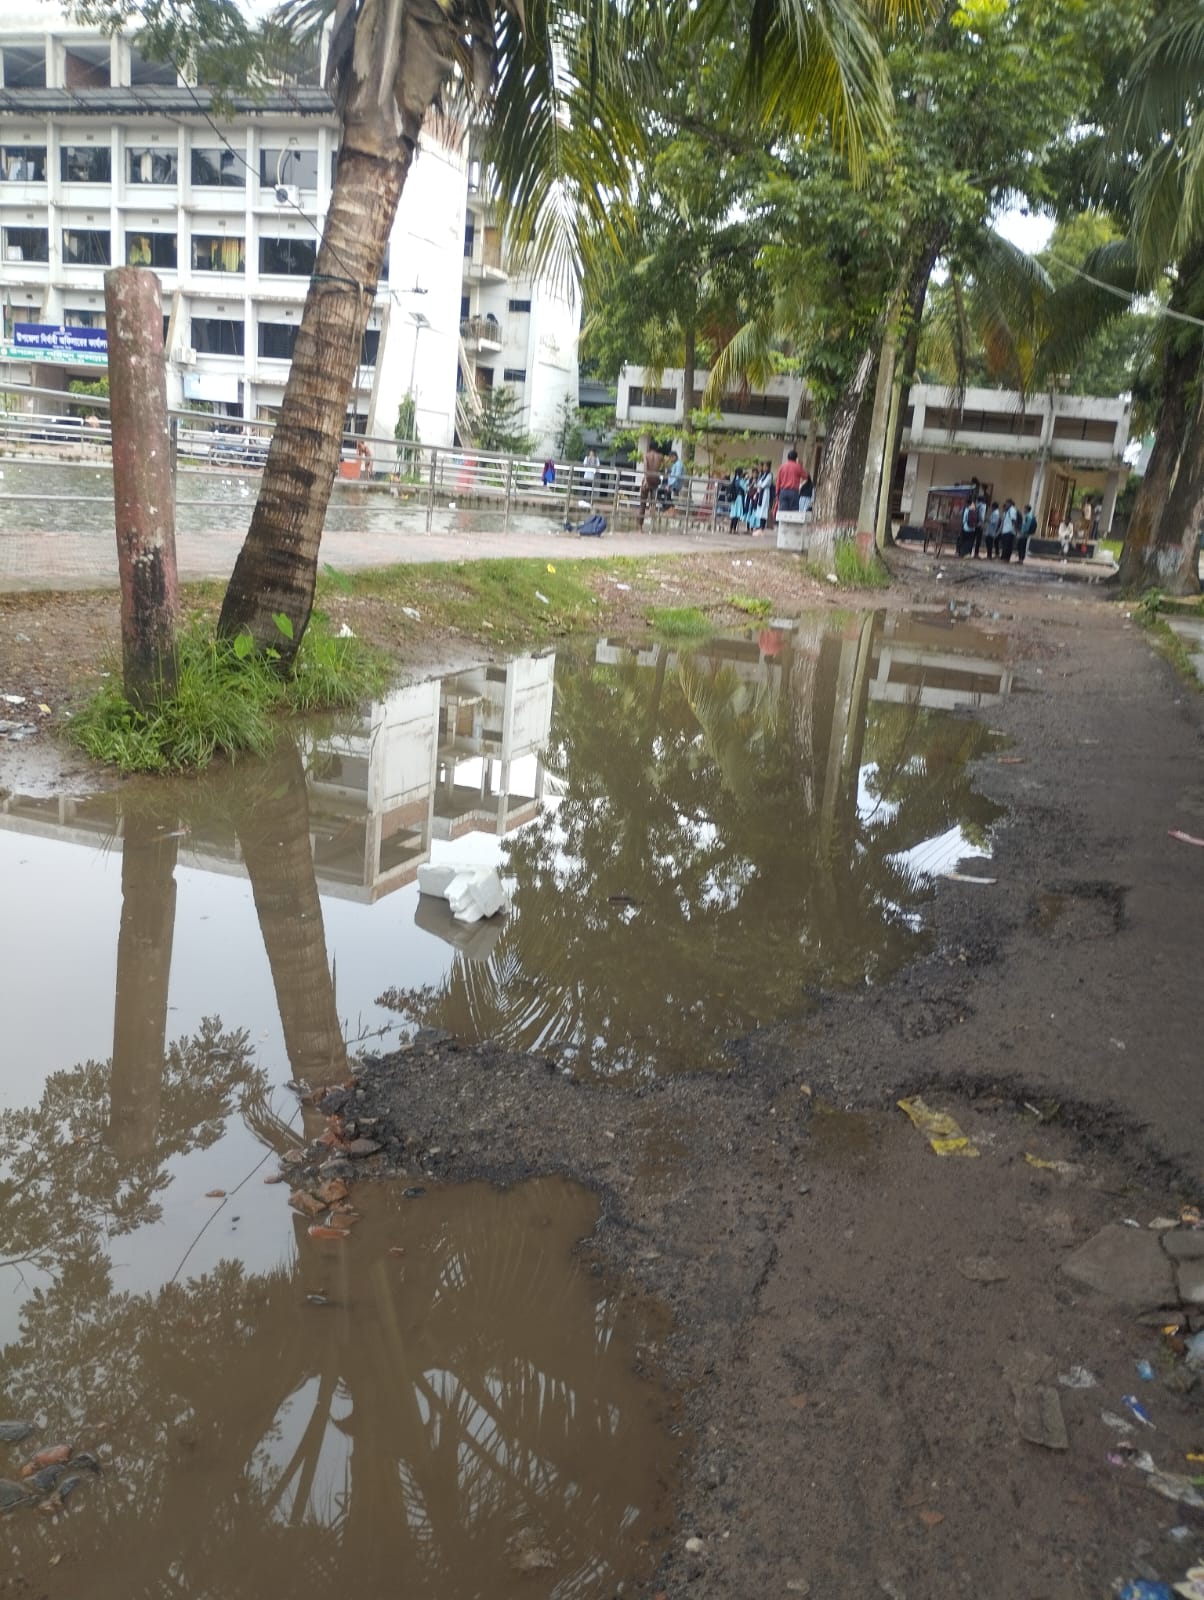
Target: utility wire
(1123, 294)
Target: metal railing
(486, 328)
(424, 479)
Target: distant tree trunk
(274, 835)
(144, 943)
(143, 493)
(838, 487)
(387, 85)
(1159, 546)
(690, 361)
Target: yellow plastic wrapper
(942, 1133)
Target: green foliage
(752, 606)
(679, 622)
(227, 700)
(569, 439)
(852, 569)
(405, 429)
(499, 426)
(98, 388)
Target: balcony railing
(484, 330)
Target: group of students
(1002, 529)
(753, 498)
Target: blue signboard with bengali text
(44, 341)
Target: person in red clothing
(790, 482)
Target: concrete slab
(1128, 1265)
(1184, 1244)
(1191, 1282)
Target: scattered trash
(13, 699)
(413, 1194)
(694, 1546)
(983, 1269)
(626, 587)
(1144, 1589)
(1115, 1460)
(1138, 1410)
(215, 1194)
(1160, 1224)
(318, 1230)
(1190, 1216)
(1170, 1485)
(1010, 761)
(1129, 1222)
(1195, 1350)
(832, 578)
(965, 877)
(1080, 1378)
(1117, 1423)
(1175, 833)
(551, 568)
(412, 612)
(1065, 1169)
(542, 598)
(1192, 1587)
(472, 892)
(942, 1132)
(1145, 1371)
(345, 632)
(1180, 1534)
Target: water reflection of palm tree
(735, 816)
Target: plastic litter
(1145, 1371)
(1138, 1410)
(1144, 1589)
(1117, 1424)
(941, 1131)
(1192, 1587)
(1170, 1485)
(1065, 1168)
(965, 877)
(1195, 1349)
(1079, 1378)
(1185, 838)
(472, 892)
(542, 598)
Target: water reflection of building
(928, 660)
(432, 761)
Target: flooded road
(696, 841)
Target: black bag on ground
(592, 527)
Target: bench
(1051, 549)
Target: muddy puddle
(695, 840)
(443, 1404)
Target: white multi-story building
(106, 157)
(520, 331)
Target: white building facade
(107, 158)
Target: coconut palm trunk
(1156, 544)
(389, 77)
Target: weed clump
(679, 622)
(228, 700)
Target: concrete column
(1111, 490)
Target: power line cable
(1124, 294)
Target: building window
(151, 250)
(214, 336)
(86, 163)
(659, 399)
(148, 165)
(143, 70)
(296, 168)
(24, 66)
(23, 163)
(276, 340)
(369, 347)
(218, 253)
(520, 305)
(287, 257)
(83, 319)
(86, 247)
(218, 169)
(470, 233)
(87, 66)
(514, 374)
(27, 244)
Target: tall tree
(566, 83)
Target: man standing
(1027, 528)
(1007, 531)
(652, 478)
(790, 483)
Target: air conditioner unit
(287, 195)
(184, 355)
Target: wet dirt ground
(846, 1311)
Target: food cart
(943, 511)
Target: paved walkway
(41, 559)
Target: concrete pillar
(1111, 490)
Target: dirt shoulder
(853, 1317)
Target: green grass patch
(751, 605)
(679, 622)
(526, 598)
(225, 703)
(1166, 641)
(856, 572)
